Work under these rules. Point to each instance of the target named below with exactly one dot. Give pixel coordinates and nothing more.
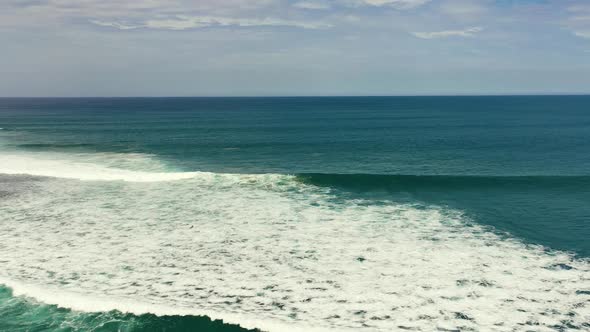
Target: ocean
(295, 214)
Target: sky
(293, 47)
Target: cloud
(469, 32)
(184, 22)
(162, 14)
(117, 25)
(464, 9)
(119, 10)
(311, 5)
(582, 34)
(585, 18)
(397, 4)
(579, 8)
(579, 22)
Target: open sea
(295, 214)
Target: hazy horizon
(307, 96)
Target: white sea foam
(266, 251)
(83, 303)
(84, 167)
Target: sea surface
(295, 214)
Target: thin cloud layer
(579, 20)
(252, 47)
(400, 4)
(315, 5)
(469, 32)
(183, 22)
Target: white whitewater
(266, 251)
(57, 166)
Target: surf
(272, 251)
(62, 308)
(53, 166)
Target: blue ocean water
(360, 213)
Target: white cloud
(117, 25)
(579, 22)
(311, 5)
(184, 22)
(579, 8)
(132, 10)
(464, 9)
(580, 18)
(469, 32)
(582, 34)
(397, 4)
(160, 14)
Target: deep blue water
(517, 165)
(495, 136)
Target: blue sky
(281, 47)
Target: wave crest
(368, 182)
(94, 304)
(54, 166)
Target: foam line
(82, 303)
(14, 164)
(237, 248)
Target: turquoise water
(374, 213)
(20, 314)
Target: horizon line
(531, 94)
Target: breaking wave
(23, 313)
(80, 168)
(272, 251)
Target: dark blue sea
(295, 214)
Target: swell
(138, 167)
(86, 169)
(371, 182)
(23, 313)
(48, 146)
(29, 307)
(276, 253)
(547, 210)
(60, 166)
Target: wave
(50, 146)
(369, 182)
(79, 169)
(95, 167)
(278, 260)
(119, 309)
(214, 245)
(98, 167)
(24, 313)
